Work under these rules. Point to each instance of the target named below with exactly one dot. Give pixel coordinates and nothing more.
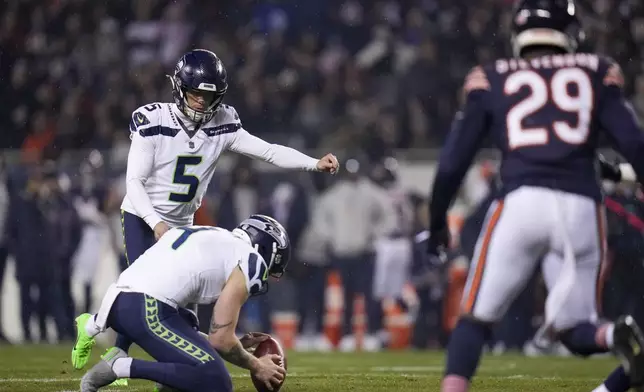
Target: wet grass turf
(47, 368)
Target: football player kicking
(174, 151)
(194, 264)
(544, 110)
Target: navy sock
(123, 342)
(580, 340)
(189, 378)
(618, 381)
(465, 347)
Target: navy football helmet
(547, 23)
(199, 70)
(270, 240)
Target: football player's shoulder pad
(613, 76)
(227, 114)
(476, 79)
(146, 116)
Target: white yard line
(311, 375)
(412, 369)
(113, 390)
(45, 380)
(347, 372)
(235, 376)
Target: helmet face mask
(199, 72)
(545, 23)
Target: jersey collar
(189, 127)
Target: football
(269, 346)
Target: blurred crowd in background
(383, 74)
(370, 79)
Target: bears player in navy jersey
(544, 109)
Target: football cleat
(628, 345)
(102, 374)
(84, 343)
(163, 388)
(119, 382)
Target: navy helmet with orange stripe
(546, 23)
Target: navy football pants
(186, 361)
(137, 238)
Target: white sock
(122, 366)
(601, 388)
(610, 330)
(91, 328)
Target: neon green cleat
(119, 382)
(162, 388)
(84, 343)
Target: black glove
(609, 170)
(437, 245)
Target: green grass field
(47, 368)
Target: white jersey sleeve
(285, 157)
(139, 167)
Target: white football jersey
(168, 171)
(182, 167)
(192, 264)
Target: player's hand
(268, 371)
(160, 229)
(609, 170)
(252, 339)
(437, 245)
(328, 163)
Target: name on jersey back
(585, 60)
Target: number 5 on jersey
(180, 177)
(570, 90)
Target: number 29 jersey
(178, 168)
(192, 265)
(545, 116)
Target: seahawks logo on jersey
(140, 119)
